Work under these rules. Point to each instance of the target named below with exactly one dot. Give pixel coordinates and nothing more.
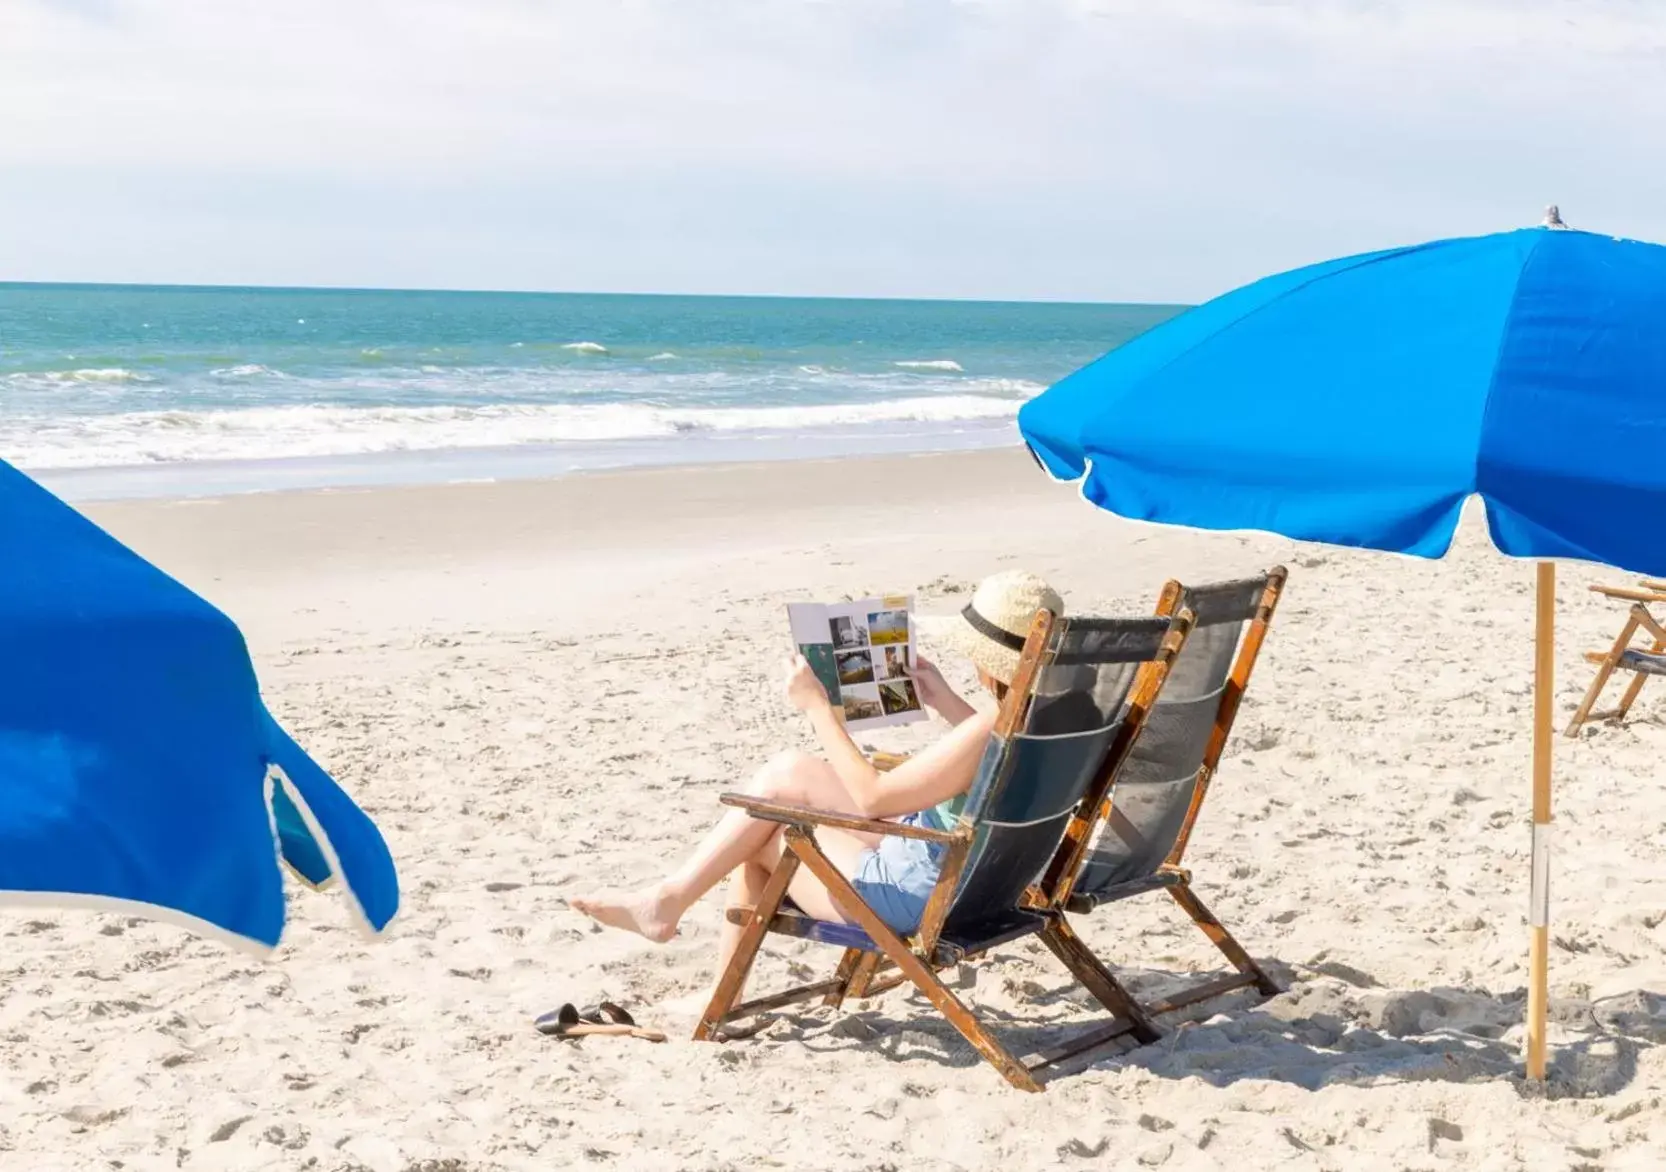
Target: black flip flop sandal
(606, 1012)
(568, 1022)
(557, 1022)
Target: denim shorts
(896, 878)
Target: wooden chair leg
(878, 984)
(1222, 939)
(856, 973)
(1629, 697)
(733, 980)
(916, 970)
(1592, 694)
(864, 974)
(848, 964)
(1636, 686)
(1606, 669)
(1097, 979)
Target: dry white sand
(535, 687)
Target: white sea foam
(948, 364)
(662, 356)
(101, 374)
(1001, 386)
(157, 437)
(586, 347)
(247, 370)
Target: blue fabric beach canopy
(1361, 401)
(135, 751)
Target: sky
(1106, 150)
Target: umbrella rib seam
(1486, 411)
(1498, 354)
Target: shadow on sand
(1337, 1026)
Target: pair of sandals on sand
(604, 1019)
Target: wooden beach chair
(1131, 839)
(1080, 695)
(1642, 661)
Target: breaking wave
(159, 437)
(948, 364)
(97, 374)
(247, 370)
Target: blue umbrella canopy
(1362, 401)
(139, 768)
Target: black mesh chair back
(1155, 788)
(1031, 782)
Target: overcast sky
(1148, 150)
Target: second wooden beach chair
(1131, 839)
(1641, 659)
(1076, 704)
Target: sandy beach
(537, 687)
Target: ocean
(148, 390)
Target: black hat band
(990, 631)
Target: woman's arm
(856, 772)
(935, 774)
(936, 694)
(942, 770)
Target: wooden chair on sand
(1133, 839)
(1076, 705)
(1641, 661)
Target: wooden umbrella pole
(1544, 672)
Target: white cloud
(1105, 148)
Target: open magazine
(862, 652)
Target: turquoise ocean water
(136, 390)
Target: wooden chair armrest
(807, 816)
(885, 762)
(1626, 594)
(1653, 584)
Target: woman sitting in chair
(894, 875)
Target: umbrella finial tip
(1553, 217)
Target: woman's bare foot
(648, 913)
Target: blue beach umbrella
(139, 768)
(1362, 401)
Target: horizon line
(219, 287)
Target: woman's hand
(934, 690)
(804, 690)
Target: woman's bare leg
(737, 839)
(746, 888)
(843, 848)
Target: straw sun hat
(990, 631)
